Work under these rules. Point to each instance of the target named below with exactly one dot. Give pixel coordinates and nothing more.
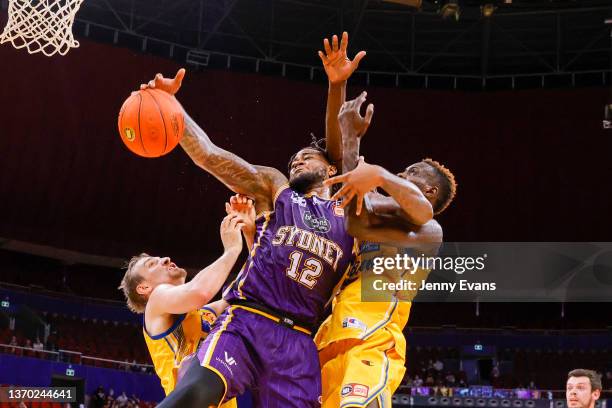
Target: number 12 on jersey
(305, 273)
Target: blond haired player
(361, 345)
(175, 319)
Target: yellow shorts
(356, 372)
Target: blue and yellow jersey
(168, 349)
(356, 318)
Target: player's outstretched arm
(218, 306)
(205, 285)
(365, 178)
(338, 68)
(393, 230)
(237, 174)
(361, 178)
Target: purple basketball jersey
(301, 251)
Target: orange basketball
(151, 122)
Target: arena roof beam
(447, 46)
(486, 39)
(587, 47)
(164, 13)
(393, 56)
(271, 30)
(117, 16)
(301, 39)
(560, 11)
(215, 28)
(534, 54)
(362, 9)
(247, 36)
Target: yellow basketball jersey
(168, 349)
(356, 318)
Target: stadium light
(450, 8)
(410, 3)
(487, 10)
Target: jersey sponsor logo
(229, 360)
(318, 201)
(355, 390)
(298, 199)
(338, 211)
(353, 323)
(130, 135)
(319, 224)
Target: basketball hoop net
(41, 25)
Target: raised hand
(170, 85)
(336, 63)
(357, 183)
(350, 119)
(243, 207)
(230, 233)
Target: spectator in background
(13, 342)
(444, 390)
(462, 384)
(450, 379)
(38, 345)
(28, 345)
(438, 365)
(418, 382)
(429, 381)
(99, 399)
(122, 399)
(583, 388)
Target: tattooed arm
(258, 182)
(238, 175)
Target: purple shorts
(278, 364)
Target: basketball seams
(139, 131)
(140, 118)
(162, 118)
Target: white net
(41, 25)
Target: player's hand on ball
(231, 228)
(351, 121)
(170, 85)
(357, 183)
(244, 207)
(336, 63)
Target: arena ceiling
(545, 38)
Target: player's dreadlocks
(448, 185)
(315, 144)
